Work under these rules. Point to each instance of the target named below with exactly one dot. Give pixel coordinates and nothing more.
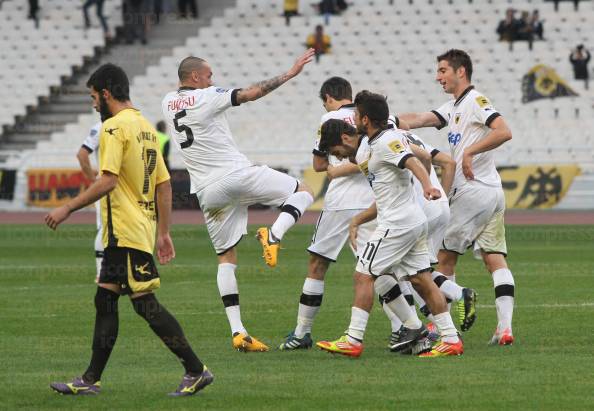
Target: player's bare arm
(260, 89)
(320, 163)
(403, 125)
(500, 133)
(363, 217)
(84, 160)
(342, 170)
(448, 170)
(165, 248)
(105, 184)
(423, 156)
(419, 120)
(415, 166)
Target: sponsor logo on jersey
(396, 146)
(454, 138)
(364, 167)
(370, 178)
(221, 90)
(482, 101)
(111, 130)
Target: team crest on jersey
(364, 167)
(221, 90)
(483, 101)
(396, 146)
(457, 118)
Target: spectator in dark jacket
(537, 25)
(580, 58)
(99, 8)
(508, 28)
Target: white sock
(309, 305)
(230, 295)
(291, 211)
(357, 326)
(448, 288)
(98, 262)
(452, 278)
(446, 328)
(395, 322)
(389, 290)
(503, 281)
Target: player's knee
(318, 267)
(306, 188)
(494, 261)
(106, 301)
(146, 306)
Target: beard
(104, 112)
(361, 129)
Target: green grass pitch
(47, 314)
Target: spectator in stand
(524, 32)
(580, 58)
(576, 4)
(183, 6)
(99, 9)
(508, 28)
(537, 26)
(33, 9)
(291, 10)
(319, 41)
(136, 20)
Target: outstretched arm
(415, 166)
(165, 249)
(85, 164)
(363, 217)
(260, 89)
(448, 170)
(418, 120)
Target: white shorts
(437, 223)
(476, 216)
(225, 203)
(332, 231)
(395, 251)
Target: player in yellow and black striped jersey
(134, 188)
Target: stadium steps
(580, 195)
(72, 99)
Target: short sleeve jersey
(418, 141)
(129, 148)
(91, 143)
(391, 182)
(348, 192)
(468, 119)
(198, 124)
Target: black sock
(168, 329)
(106, 333)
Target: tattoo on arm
(262, 88)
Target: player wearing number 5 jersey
(225, 181)
(477, 203)
(132, 175)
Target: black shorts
(133, 270)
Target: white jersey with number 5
(198, 124)
(468, 119)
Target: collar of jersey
(182, 88)
(464, 93)
(379, 132)
(350, 105)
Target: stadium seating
(36, 59)
(387, 49)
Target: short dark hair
(113, 79)
(331, 132)
(374, 106)
(336, 87)
(161, 126)
(188, 65)
(458, 58)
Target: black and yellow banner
(544, 82)
(7, 184)
(52, 187)
(539, 186)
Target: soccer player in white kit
(348, 194)
(438, 217)
(398, 247)
(225, 181)
(90, 145)
(477, 202)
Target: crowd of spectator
(528, 27)
(579, 59)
